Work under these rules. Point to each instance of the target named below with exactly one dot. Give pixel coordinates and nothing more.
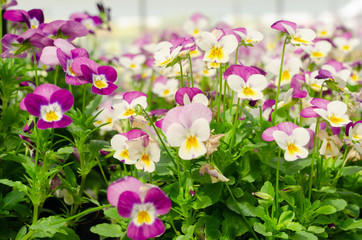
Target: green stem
(224, 102)
(241, 213)
(219, 93)
(191, 74)
(335, 180)
(100, 168)
(56, 75)
(279, 81)
(1, 29)
(313, 158)
(35, 68)
(84, 97)
(181, 73)
(36, 212)
(277, 187)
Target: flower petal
(145, 231)
(126, 201)
(281, 138)
(159, 199)
(116, 188)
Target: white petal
(257, 81)
(207, 40)
(300, 153)
(200, 98)
(201, 129)
(142, 101)
(229, 44)
(176, 134)
(118, 142)
(300, 136)
(154, 151)
(337, 107)
(193, 152)
(235, 82)
(281, 139)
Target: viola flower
(32, 18)
(215, 174)
(196, 24)
(90, 22)
(188, 95)
(164, 87)
(65, 29)
(119, 144)
(330, 144)
(354, 131)
(9, 42)
(346, 44)
(313, 82)
(142, 203)
(297, 35)
(49, 54)
(247, 82)
(49, 103)
(126, 106)
(338, 71)
(318, 51)
(133, 62)
(107, 115)
(102, 77)
(356, 78)
(6, 3)
(250, 36)
(188, 127)
(165, 53)
(291, 67)
(289, 137)
(217, 50)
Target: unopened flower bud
(292, 188)
(263, 196)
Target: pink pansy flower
(188, 95)
(354, 131)
(102, 77)
(297, 35)
(188, 127)
(49, 54)
(247, 82)
(49, 103)
(65, 28)
(164, 87)
(142, 203)
(289, 137)
(217, 50)
(338, 70)
(126, 106)
(119, 144)
(90, 22)
(196, 24)
(32, 18)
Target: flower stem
(277, 186)
(236, 54)
(219, 93)
(241, 213)
(84, 97)
(279, 81)
(191, 74)
(56, 75)
(335, 180)
(181, 73)
(35, 68)
(312, 163)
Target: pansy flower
(32, 18)
(126, 106)
(9, 42)
(289, 137)
(291, 67)
(49, 54)
(318, 51)
(196, 24)
(65, 29)
(330, 144)
(101, 77)
(297, 35)
(6, 3)
(187, 127)
(247, 82)
(250, 36)
(354, 131)
(188, 95)
(133, 62)
(164, 87)
(165, 53)
(90, 22)
(142, 203)
(217, 50)
(346, 44)
(49, 103)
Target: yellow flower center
(216, 52)
(129, 112)
(298, 39)
(165, 62)
(323, 33)
(51, 116)
(146, 159)
(286, 76)
(316, 87)
(70, 70)
(191, 142)
(100, 84)
(143, 217)
(317, 54)
(132, 66)
(329, 147)
(354, 77)
(124, 154)
(333, 119)
(292, 148)
(196, 31)
(248, 91)
(166, 92)
(346, 47)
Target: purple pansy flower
(188, 95)
(49, 53)
(9, 50)
(49, 103)
(126, 106)
(67, 28)
(297, 35)
(90, 22)
(142, 203)
(5, 4)
(102, 77)
(354, 130)
(33, 18)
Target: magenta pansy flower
(297, 35)
(126, 106)
(142, 203)
(49, 54)
(188, 95)
(90, 22)
(289, 137)
(6, 3)
(9, 50)
(66, 28)
(102, 77)
(49, 103)
(32, 18)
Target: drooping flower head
(247, 82)
(188, 127)
(289, 137)
(49, 103)
(297, 35)
(142, 203)
(126, 106)
(188, 95)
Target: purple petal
(53, 27)
(320, 103)
(136, 134)
(336, 130)
(116, 188)
(105, 91)
(125, 203)
(309, 112)
(87, 73)
(268, 104)
(74, 29)
(287, 127)
(145, 231)
(130, 96)
(191, 92)
(63, 58)
(64, 45)
(15, 15)
(109, 72)
(243, 71)
(64, 98)
(75, 81)
(268, 134)
(46, 90)
(33, 103)
(65, 121)
(159, 199)
(49, 56)
(279, 25)
(38, 14)
(300, 94)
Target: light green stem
(191, 74)
(181, 73)
(279, 81)
(35, 68)
(277, 187)
(313, 159)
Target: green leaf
(107, 230)
(22, 232)
(339, 204)
(352, 210)
(233, 224)
(92, 106)
(246, 208)
(302, 235)
(286, 217)
(212, 226)
(208, 195)
(17, 184)
(260, 228)
(68, 235)
(316, 229)
(12, 198)
(351, 224)
(268, 188)
(294, 226)
(189, 234)
(113, 213)
(282, 235)
(332, 85)
(326, 210)
(65, 150)
(47, 227)
(350, 170)
(293, 167)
